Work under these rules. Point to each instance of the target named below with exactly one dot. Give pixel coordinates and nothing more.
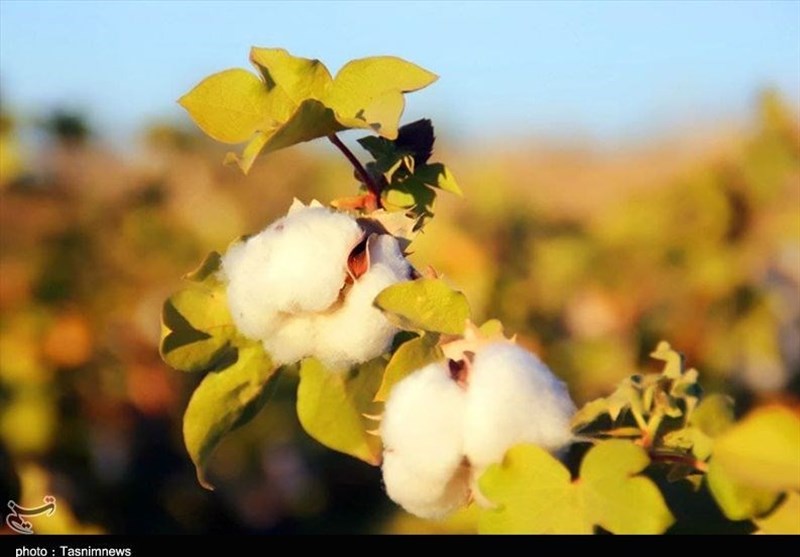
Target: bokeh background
(631, 173)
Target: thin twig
(688, 460)
(372, 187)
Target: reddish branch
(686, 460)
(373, 188)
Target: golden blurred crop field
(589, 256)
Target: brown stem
(698, 465)
(372, 187)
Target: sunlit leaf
(738, 501)
(533, 493)
(411, 356)
(331, 407)
(224, 400)
(197, 326)
(425, 304)
(310, 120)
(438, 176)
(762, 450)
(785, 519)
(230, 106)
(368, 93)
(300, 78)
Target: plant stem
(688, 460)
(372, 187)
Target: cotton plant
(393, 371)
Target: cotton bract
(287, 286)
(440, 434)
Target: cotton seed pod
(513, 398)
(445, 423)
(289, 287)
(421, 430)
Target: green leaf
(762, 450)
(437, 175)
(411, 193)
(533, 493)
(425, 304)
(197, 329)
(785, 519)
(331, 407)
(714, 415)
(408, 358)
(673, 361)
(230, 106)
(738, 501)
(224, 400)
(310, 120)
(368, 93)
(300, 78)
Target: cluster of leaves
(294, 100)
(656, 425)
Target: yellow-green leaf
(425, 304)
(533, 493)
(738, 501)
(763, 450)
(224, 400)
(615, 497)
(309, 121)
(196, 326)
(673, 361)
(438, 176)
(300, 78)
(714, 415)
(783, 520)
(331, 407)
(230, 106)
(409, 357)
(368, 93)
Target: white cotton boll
(423, 422)
(430, 497)
(308, 259)
(512, 398)
(297, 264)
(358, 331)
(292, 339)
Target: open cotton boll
(425, 496)
(297, 264)
(358, 331)
(292, 339)
(513, 398)
(423, 422)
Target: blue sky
(610, 71)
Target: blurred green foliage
(589, 262)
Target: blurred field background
(590, 255)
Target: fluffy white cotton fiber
(358, 331)
(422, 435)
(284, 288)
(513, 398)
(437, 431)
